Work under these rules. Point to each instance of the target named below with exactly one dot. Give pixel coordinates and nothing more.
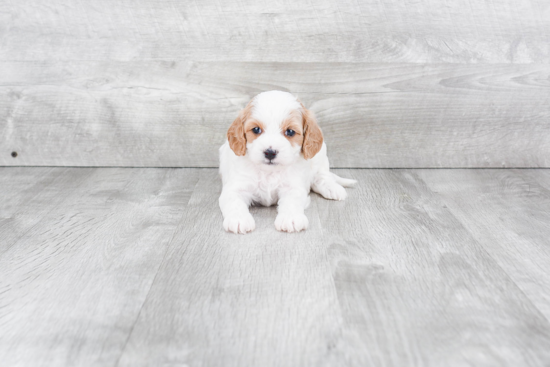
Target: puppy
(275, 154)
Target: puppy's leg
(237, 217)
(291, 217)
(326, 185)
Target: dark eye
(256, 130)
(290, 132)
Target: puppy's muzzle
(270, 154)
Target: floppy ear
(313, 136)
(236, 135)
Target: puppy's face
(274, 130)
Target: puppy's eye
(256, 130)
(290, 133)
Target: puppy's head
(274, 129)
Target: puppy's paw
(291, 222)
(333, 191)
(239, 223)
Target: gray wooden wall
(429, 83)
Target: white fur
(250, 180)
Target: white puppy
(275, 154)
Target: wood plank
(29, 194)
(417, 288)
(175, 114)
(72, 286)
(134, 268)
(431, 31)
(219, 299)
(508, 212)
(541, 176)
(409, 285)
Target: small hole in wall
(14, 154)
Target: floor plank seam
(487, 253)
(45, 214)
(161, 263)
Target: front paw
(239, 223)
(291, 222)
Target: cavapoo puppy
(275, 154)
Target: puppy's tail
(346, 182)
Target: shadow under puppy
(275, 154)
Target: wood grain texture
(175, 114)
(541, 177)
(508, 212)
(430, 31)
(417, 288)
(417, 268)
(28, 196)
(72, 286)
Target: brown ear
(236, 135)
(313, 136)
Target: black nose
(270, 154)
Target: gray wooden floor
(131, 267)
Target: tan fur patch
(294, 122)
(248, 126)
(313, 136)
(236, 133)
